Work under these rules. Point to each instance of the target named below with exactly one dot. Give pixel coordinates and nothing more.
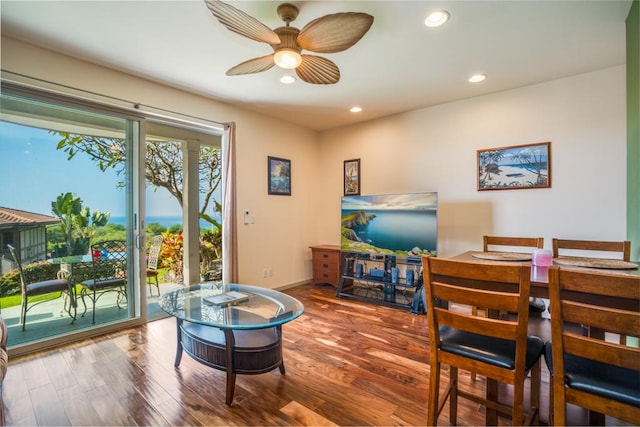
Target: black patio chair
(109, 262)
(40, 288)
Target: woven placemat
(614, 264)
(502, 256)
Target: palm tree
(489, 163)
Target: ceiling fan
(328, 34)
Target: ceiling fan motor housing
(288, 38)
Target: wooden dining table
(540, 275)
(540, 289)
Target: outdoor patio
(48, 319)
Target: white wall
(434, 149)
(283, 228)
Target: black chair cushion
(96, 285)
(495, 351)
(537, 305)
(601, 379)
(47, 286)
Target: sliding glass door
(66, 187)
(77, 173)
(183, 208)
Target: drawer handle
(325, 275)
(325, 265)
(325, 255)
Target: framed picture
(352, 177)
(279, 171)
(515, 167)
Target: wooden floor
(347, 362)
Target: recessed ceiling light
(437, 18)
(287, 79)
(477, 78)
(355, 109)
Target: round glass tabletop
(231, 306)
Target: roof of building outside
(16, 217)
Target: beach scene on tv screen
(400, 224)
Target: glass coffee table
(233, 328)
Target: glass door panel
(66, 187)
(182, 215)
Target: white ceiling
(399, 65)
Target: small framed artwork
(515, 167)
(279, 174)
(352, 177)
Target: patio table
(79, 268)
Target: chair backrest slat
(477, 325)
(603, 351)
(109, 260)
(154, 252)
(611, 319)
(623, 247)
(502, 301)
(16, 259)
(525, 242)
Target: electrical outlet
(270, 272)
(265, 273)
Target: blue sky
(35, 173)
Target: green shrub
(34, 272)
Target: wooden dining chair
(591, 371)
(41, 287)
(152, 262)
(621, 247)
(536, 305)
(109, 269)
(499, 349)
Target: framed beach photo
(352, 177)
(515, 167)
(279, 175)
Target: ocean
(400, 230)
(165, 221)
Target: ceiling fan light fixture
(437, 18)
(355, 109)
(287, 58)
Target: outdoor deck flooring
(47, 319)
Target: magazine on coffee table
(231, 297)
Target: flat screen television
(400, 224)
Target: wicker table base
(253, 351)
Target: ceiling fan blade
(318, 70)
(255, 65)
(334, 33)
(241, 23)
